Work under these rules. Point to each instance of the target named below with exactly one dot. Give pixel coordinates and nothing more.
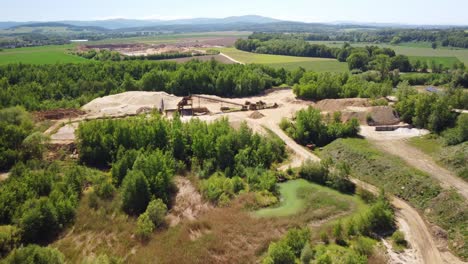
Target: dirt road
(424, 162)
(417, 233)
(231, 59)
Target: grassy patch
(288, 62)
(445, 61)
(40, 55)
(442, 207)
(307, 202)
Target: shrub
(10, 238)
(314, 172)
(363, 245)
(279, 253)
(93, 200)
(145, 227)
(135, 193)
(38, 220)
(399, 239)
(296, 239)
(105, 189)
(34, 254)
(307, 254)
(156, 211)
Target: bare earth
(422, 161)
(188, 203)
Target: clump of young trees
(430, 110)
(319, 86)
(37, 201)
(146, 152)
(38, 87)
(310, 127)
(17, 140)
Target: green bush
(38, 220)
(10, 238)
(34, 254)
(145, 227)
(156, 211)
(279, 253)
(399, 239)
(135, 192)
(296, 239)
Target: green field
(411, 49)
(445, 61)
(307, 200)
(39, 55)
(288, 62)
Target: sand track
(420, 160)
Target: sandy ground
(424, 249)
(4, 176)
(384, 136)
(65, 134)
(420, 160)
(188, 203)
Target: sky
(432, 12)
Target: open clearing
(287, 62)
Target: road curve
(420, 160)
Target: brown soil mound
(57, 114)
(333, 105)
(381, 115)
(384, 115)
(256, 115)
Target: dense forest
(71, 85)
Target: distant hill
(135, 23)
(51, 28)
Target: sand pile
(130, 103)
(384, 115)
(256, 115)
(333, 105)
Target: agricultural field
(287, 62)
(40, 55)
(412, 50)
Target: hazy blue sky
(399, 11)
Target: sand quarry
(189, 205)
(136, 102)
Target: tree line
(38, 87)
(358, 58)
(452, 37)
(109, 55)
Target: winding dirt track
(424, 162)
